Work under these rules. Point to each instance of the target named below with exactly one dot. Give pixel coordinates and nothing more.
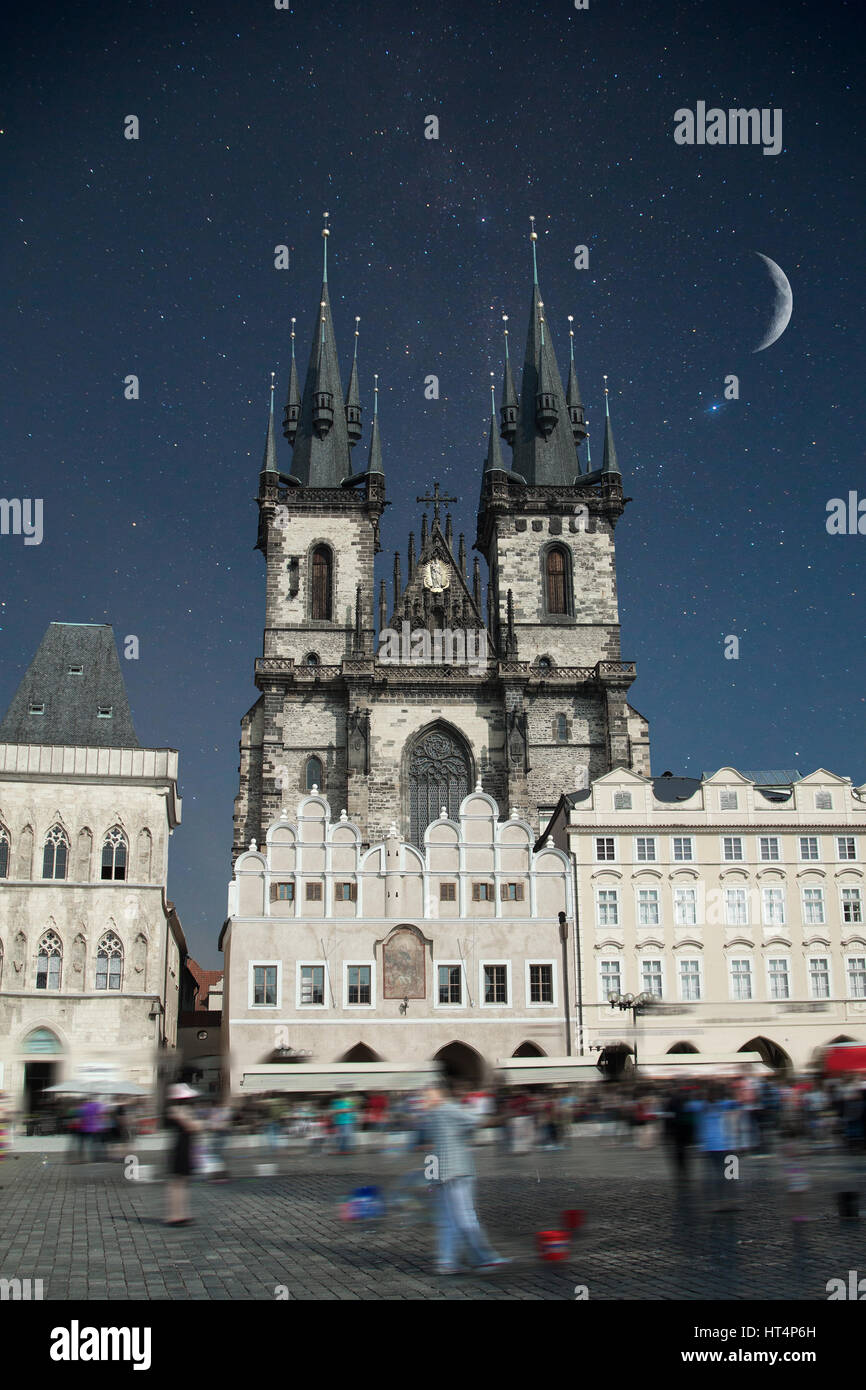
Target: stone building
(387, 712)
(91, 950)
(736, 899)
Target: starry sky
(155, 257)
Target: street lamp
(636, 1004)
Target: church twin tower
(540, 708)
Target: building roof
(773, 778)
(669, 788)
(204, 980)
(75, 673)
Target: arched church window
(312, 659)
(314, 774)
(109, 962)
(557, 579)
(561, 728)
(49, 961)
(4, 852)
(439, 775)
(55, 853)
(114, 850)
(322, 605)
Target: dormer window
(37, 707)
(104, 711)
(75, 671)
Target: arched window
(561, 729)
(322, 606)
(109, 962)
(312, 659)
(49, 961)
(55, 854)
(557, 575)
(114, 856)
(439, 775)
(314, 774)
(4, 852)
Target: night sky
(156, 257)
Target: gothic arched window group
(439, 775)
(57, 858)
(110, 957)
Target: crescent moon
(783, 307)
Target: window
(648, 907)
(55, 854)
(768, 846)
(823, 801)
(448, 892)
(104, 711)
(645, 847)
(511, 892)
(4, 852)
(561, 729)
(75, 671)
(736, 912)
(556, 574)
(651, 977)
(684, 849)
(109, 962)
(622, 801)
(857, 977)
(780, 982)
(285, 892)
(314, 775)
(347, 893)
(312, 984)
(359, 984)
(685, 907)
(728, 801)
(312, 659)
(690, 980)
(813, 906)
(605, 847)
(439, 775)
(774, 907)
(313, 892)
(809, 847)
(741, 979)
(265, 984)
(852, 908)
(608, 907)
(495, 984)
(321, 606)
(48, 962)
(541, 984)
(37, 707)
(450, 987)
(114, 854)
(846, 847)
(819, 977)
(482, 892)
(732, 847)
(611, 978)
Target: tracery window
(114, 854)
(439, 774)
(49, 961)
(109, 962)
(4, 852)
(55, 854)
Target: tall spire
(609, 464)
(375, 463)
(508, 409)
(269, 464)
(544, 449)
(494, 462)
(321, 449)
(293, 400)
(353, 397)
(572, 395)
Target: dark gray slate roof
(322, 462)
(675, 788)
(774, 778)
(542, 461)
(71, 702)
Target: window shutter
(476, 892)
(520, 892)
(353, 892)
(275, 892)
(503, 891)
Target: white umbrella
(96, 1086)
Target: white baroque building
(387, 954)
(736, 899)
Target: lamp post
(636, 1005)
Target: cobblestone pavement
(89, 1233)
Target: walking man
(450, 1132)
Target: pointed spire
(572, 396)
(508, 409)
(383, 606)
(449, 531)
(609, 464)
(398, 583)
(476, 583)
(494, 462)
(375, 462)
(353, 398)
(461, 554)
(533, 237)
(423, 533)
(410, 558)
(293, 400)
(546, 413)
(270, 460)
(321, 457)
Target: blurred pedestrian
(182, 1126)
(450, 1134)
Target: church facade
(399, 715)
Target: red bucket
(552, 1245)
(573, 1220)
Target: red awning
(845, 1058)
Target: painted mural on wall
(404, 972)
